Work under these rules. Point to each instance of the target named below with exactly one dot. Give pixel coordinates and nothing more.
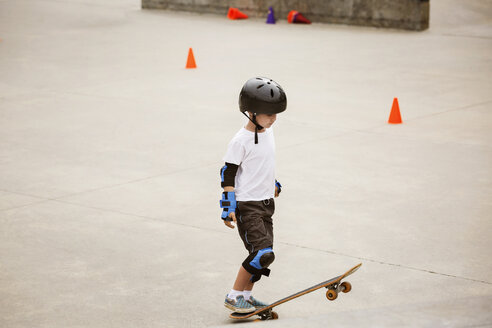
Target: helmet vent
(259, 86)
(271, 92)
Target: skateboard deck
(334, 286)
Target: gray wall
(401, 14)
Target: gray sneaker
(238, 305)
(256, 303)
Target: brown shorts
(255, 224)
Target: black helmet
(261, 95)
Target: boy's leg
(235, 300)
(248, 290)
(243, 283)
(243, 280)
(249, 286)
(257, 215)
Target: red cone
(298, 18)
(395, 116)
(301, 19)
(290, 16)
(190, 62)
(235, 13)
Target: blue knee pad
(263, 258)
(258, 262)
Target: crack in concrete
(167, 221)
(387, 263)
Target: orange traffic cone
(190, 63)
(296, 17)
(235, 13)
(395, 117)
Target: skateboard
(334, 286)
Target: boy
(248, 179)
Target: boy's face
(266, 120)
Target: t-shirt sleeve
(235, 153)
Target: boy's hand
(232, 218)
(278, 188)
(228, 204)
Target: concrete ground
(110, 153)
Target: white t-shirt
(255, 178)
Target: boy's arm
(228, 203)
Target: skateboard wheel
(347, 287)
(331, 294)
(269, 316)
